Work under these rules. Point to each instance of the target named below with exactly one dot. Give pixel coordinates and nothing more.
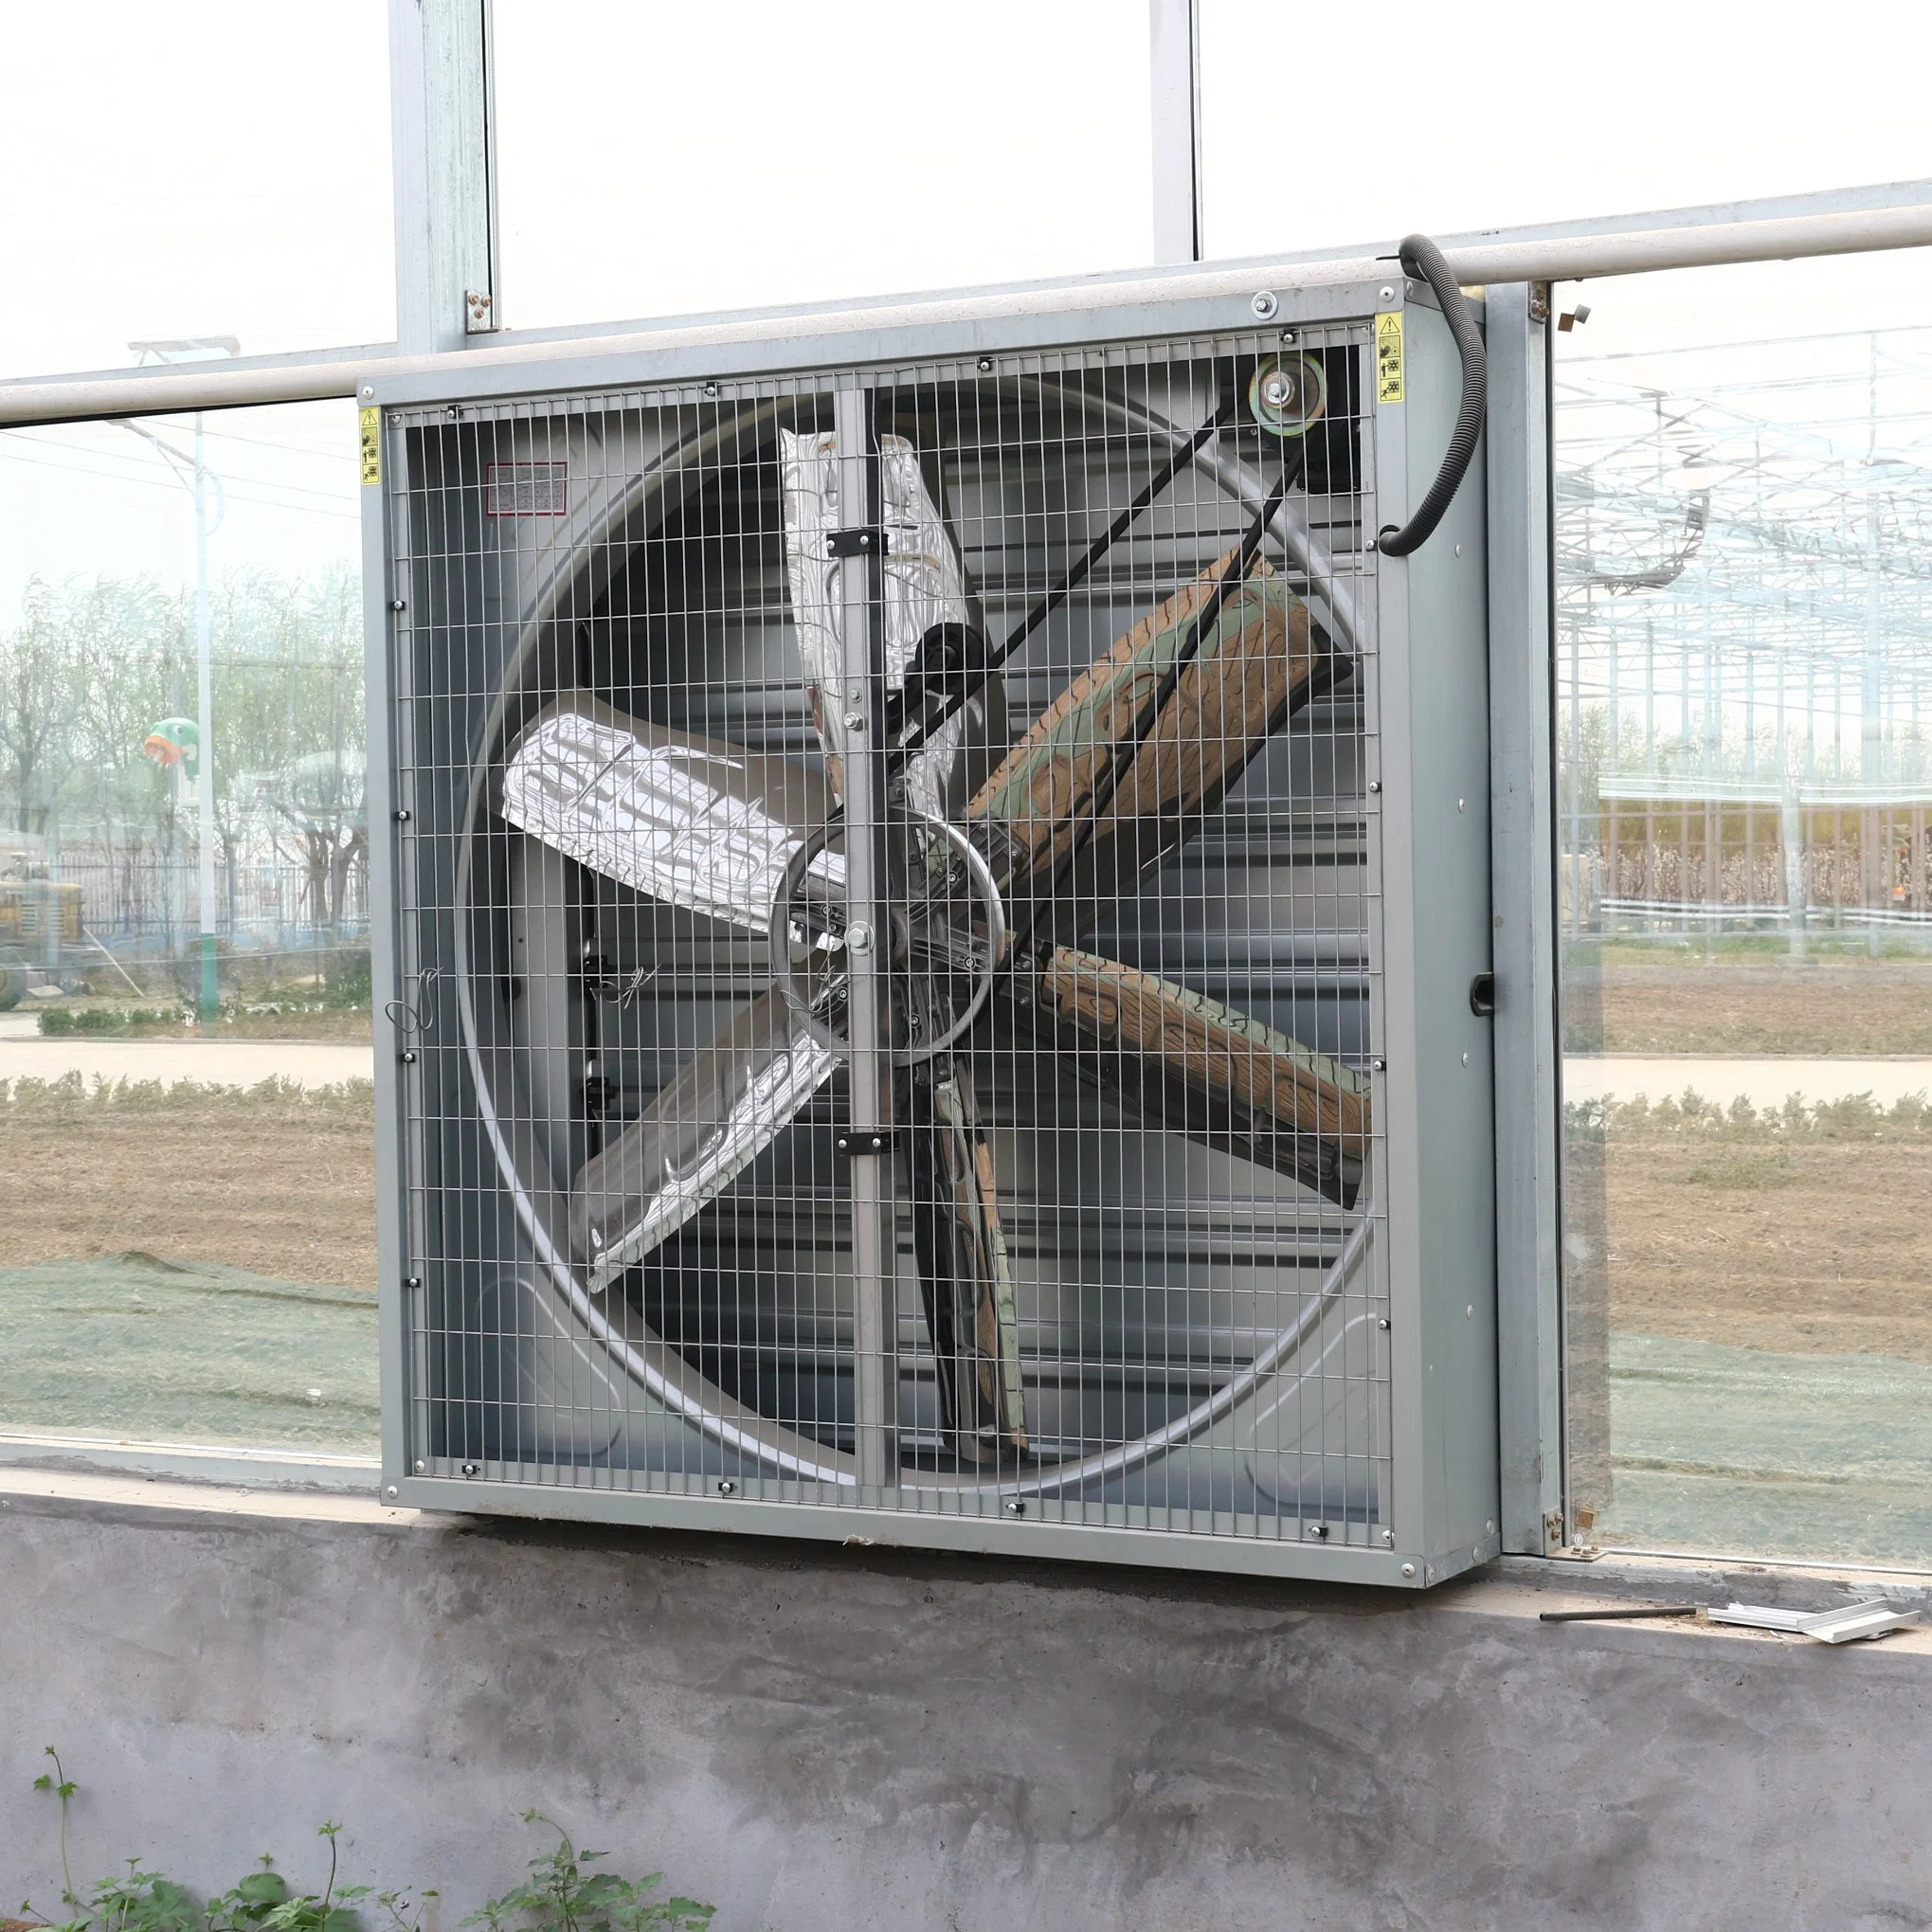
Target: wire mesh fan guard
(1196, 1417)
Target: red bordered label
(527, 490)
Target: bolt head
(1264, 302)
(1408, 1569)
(1387, 295)
(853, 721)
(859, 936)
(986, 365)
(420, 1466)
(473, 1469)
(727, 1487)
(1388, 1537)
(393, 1493)
(1015, 1507)
(1378, 1066)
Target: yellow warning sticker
(372, 445)
(1388, 357)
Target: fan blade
(726, 1105)
(926, 597)
(964, 1277)
(1206, 1071)
(690, 822)
(1257, 665)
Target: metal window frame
(1523, 904)
(1838, 221)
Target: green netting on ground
(1719, 1447)
(138, 1348)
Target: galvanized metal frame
(1434, 938)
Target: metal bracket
(855, 543)
(849, 1143)
(1482, 995)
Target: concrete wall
(821, 1739)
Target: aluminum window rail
(1841, 221)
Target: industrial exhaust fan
(933, 881)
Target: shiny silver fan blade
(925, 588)
(726, 1106)
(687, 820)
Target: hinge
(855, 543)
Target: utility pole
(196, 349)
(205, 705)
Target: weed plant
(562, 1895)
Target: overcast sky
(223, 166)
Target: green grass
(1740, 1168)
(1705, 1124)
(71, 1094)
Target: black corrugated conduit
(1421, 257)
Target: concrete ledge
(821, 1737)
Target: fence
(146, 902)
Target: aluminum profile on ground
(926, 940)
(1871, 1617)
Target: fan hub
(944, 938)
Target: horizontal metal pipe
(1577, 258)
(1559, 258)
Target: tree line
(93, 666)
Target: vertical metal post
(874, 1261)
(1875, 881)
(1522, 898)
(442, 128)
(205, 747)
(1175, 70)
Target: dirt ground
(1802, 1242)
(284, 1187)
(1750, 1004)
(1815, 1248)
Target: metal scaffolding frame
(1745, 633)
